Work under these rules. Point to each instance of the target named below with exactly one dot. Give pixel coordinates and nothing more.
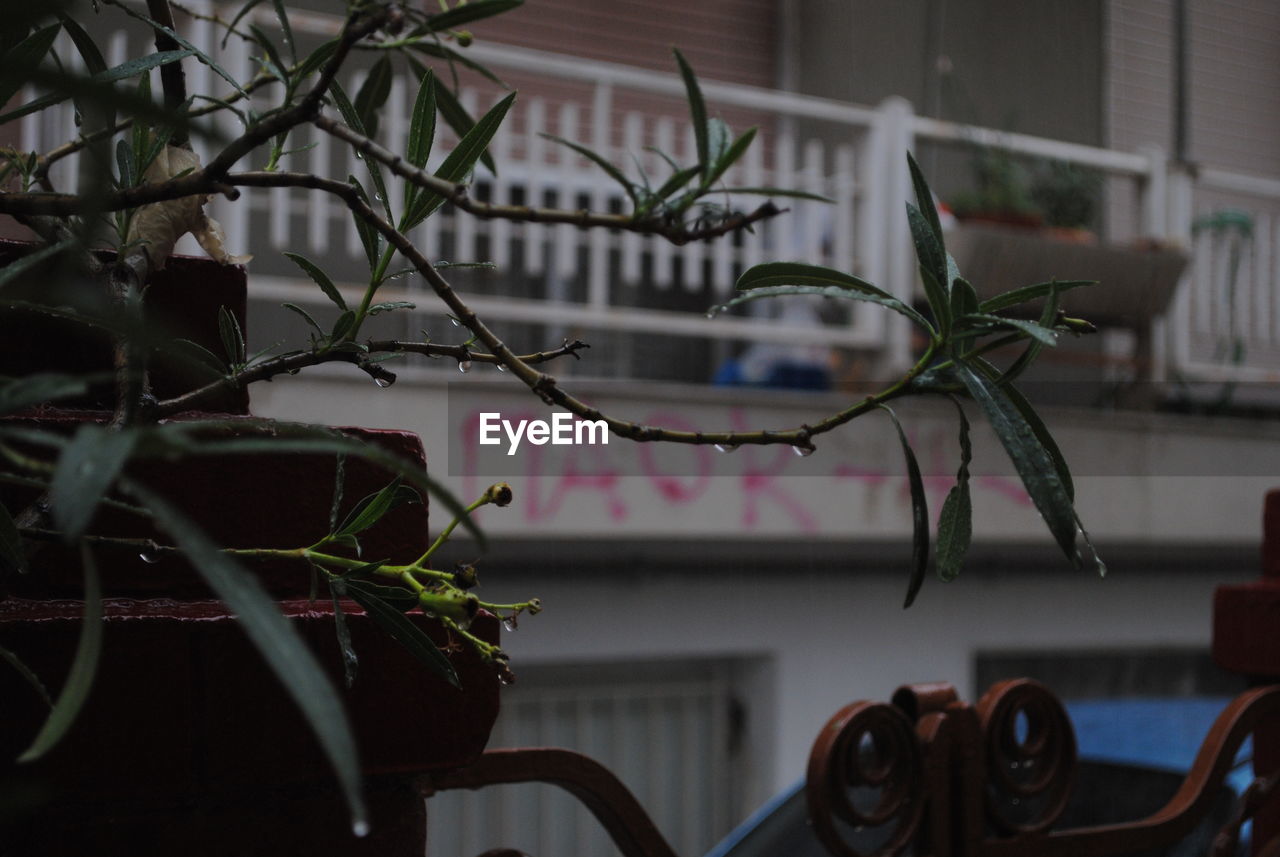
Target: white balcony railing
(557, 280)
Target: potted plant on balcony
(1018, 229)
(113, 459)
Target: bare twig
(287, 364)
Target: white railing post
(601, 127)
(1154, 192)
(1180, 213)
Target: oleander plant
(140, 187)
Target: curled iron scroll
(865, 785)
(1030, 755)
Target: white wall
(834, 631)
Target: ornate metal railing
(942, 777)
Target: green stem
(375, 282)
(446, 532)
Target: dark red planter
(187, 743)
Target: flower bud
(499, 494)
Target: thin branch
(287, 364)
(457, 194)
(208, 180)
(546, 386)
(47, 160)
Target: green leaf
(449, 55)
(462, 160)
(422, 134)
(371, 509)
(772, 274)
(457, 118)
(987, 322)
(200, 55)
(315, 59)
(84, 666)
(125, 161)
(373, 95)
(964, 299)
(1093, 552)
(924, 199)
(26, 672)
(352, 117)
(135, 67)
(271, 57)
(370, 238)
(472, 11)
(919, 515)
(339, 479)
(276, 640)
(285, 28)
(1037, 426)
(1031, 293)
(39, 388)
(1033, 462)
(731, 155)
(306, 316)
(12, 556)
(388, 306)
(600, 161)
(779, 191)
(405, 632)
(397, 596)
(718, 141)
(676, 181)
(87, 467)
(697, 113)
(239, 16)
(320, 278)
(933, 268)
(955, 521)
(198, 352)
(1047, 316)
(350, 663)
(231, 335)
(93, 62)
(343, 325)
(27, 54)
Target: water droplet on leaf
(726, 447)
(803, 451)
(383, 382)
(464, 366)
(509, 623)
(150, 556)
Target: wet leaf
(319, 277)
(87, 467)
(919, 515)
(955, 521)
(84, 666)
(405, 632)
(1036, 467)
(275, 639)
